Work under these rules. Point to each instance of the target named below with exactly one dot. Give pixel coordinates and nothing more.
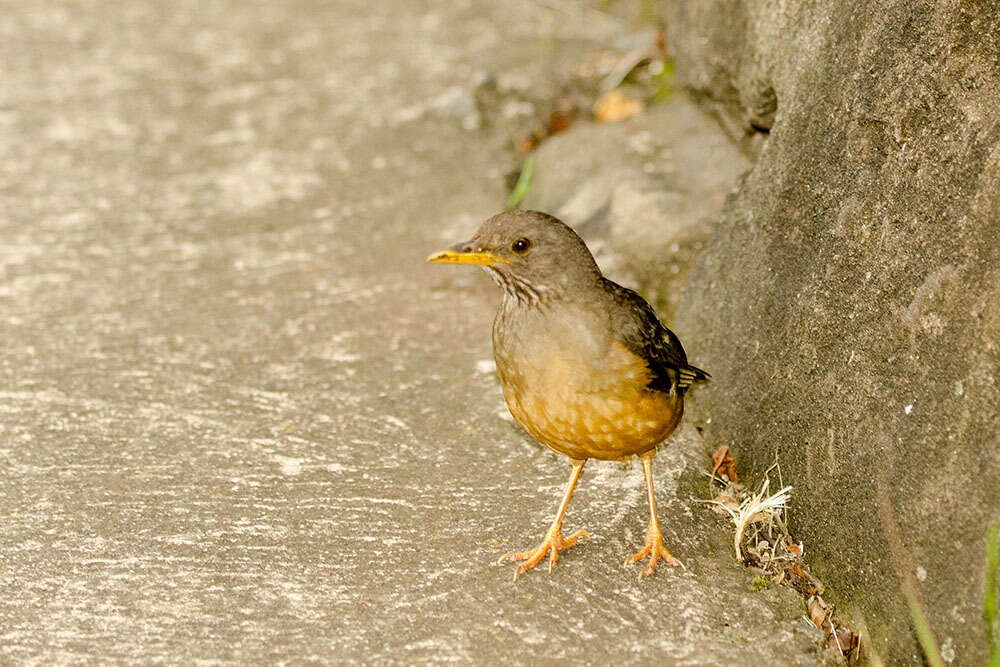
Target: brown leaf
(843, 641)
(562, 116)
(527, 144)
(661, 40)
(721, 460)
(805, 582)
(558, 122)
(718, 456)
(817, 611)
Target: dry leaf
(613, 106)
(558, 122)
(661, 40)
(718, 456)
(817, 611)
(562, 116)
(843, 640)
(721, 460)
(805, 582)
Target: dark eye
(520, 246)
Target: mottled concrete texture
(242, 421)
(849, 302)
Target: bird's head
(530, 254)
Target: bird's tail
(691, 374)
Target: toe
(669, 558)
(638, 556)
(553, 543)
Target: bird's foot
(655, 550)
(553, 542)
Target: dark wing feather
(641, 332)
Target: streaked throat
(516, 288)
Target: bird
(584, 364)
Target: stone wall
(848, 304)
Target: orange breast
(601, 409)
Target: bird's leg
(554, 541)
(654, 538)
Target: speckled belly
(604, 414)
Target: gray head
(530, 254)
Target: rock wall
(848, 304)
(645, 193)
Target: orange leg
(553, 541)
(654, 538)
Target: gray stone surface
(849, 303)
(647, 191)
(243, 422)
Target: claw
(553, 542)
(655, 550)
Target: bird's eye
(520, 246)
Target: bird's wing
(636, 324)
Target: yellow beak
(456, 255)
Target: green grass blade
(523, 186)
(923, 628)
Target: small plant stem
(523, 185)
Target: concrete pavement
(242, 421)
